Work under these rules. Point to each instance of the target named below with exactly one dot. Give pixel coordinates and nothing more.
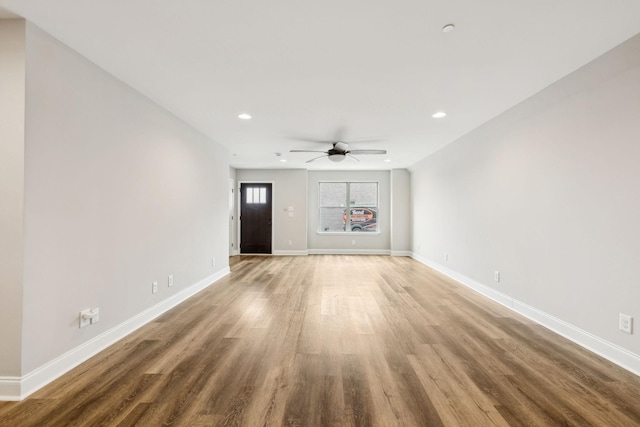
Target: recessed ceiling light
(283, 160)
(448, 28)
(387, 160)
(439, 115)
(244, 116)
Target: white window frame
(348, 209)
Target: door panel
(255, 218)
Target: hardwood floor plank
(384, 390)
(457, 399)
(25, 413)
(336, 340)
(97, 394)
(132, 419)
(358, 404)
(267, 408)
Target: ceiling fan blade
(315, 158)
(368, 151)
(307, 151)
(353, 157)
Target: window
(256, 195)
(348, 206)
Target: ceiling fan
(339, 152)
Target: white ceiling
(324, 69)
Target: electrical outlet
(84, 319)
(154, 287)
(496, 276)
(95, 315)
(290, 243)
(353, 242)
(626, 323)
(446, 256)
(213, 262)
(89, 316)
(170, 280)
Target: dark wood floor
(337, 341)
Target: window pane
(332, 219)
(249, 195)
(363, 193)
(263, 195)
(364, 204)
(360, 197)
(364, 219)
(333, 194)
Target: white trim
(610, 351)
(400, 253)
(16, 388)
(348, 233)
(349, 252)
(289, 253)
(232, 215)
(490, 293)
(348, 197)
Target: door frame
(239, 213)
(233, 249)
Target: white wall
(342, 242)
(12, 63)
(548, 194)
(289, 190)
(118, 193)
(400, 212)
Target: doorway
(255, 218)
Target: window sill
(348, 233)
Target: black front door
(255, 218)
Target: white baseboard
(349, 252)
(291, 253)
(400, 253)
(18, 388)
(612, 352)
